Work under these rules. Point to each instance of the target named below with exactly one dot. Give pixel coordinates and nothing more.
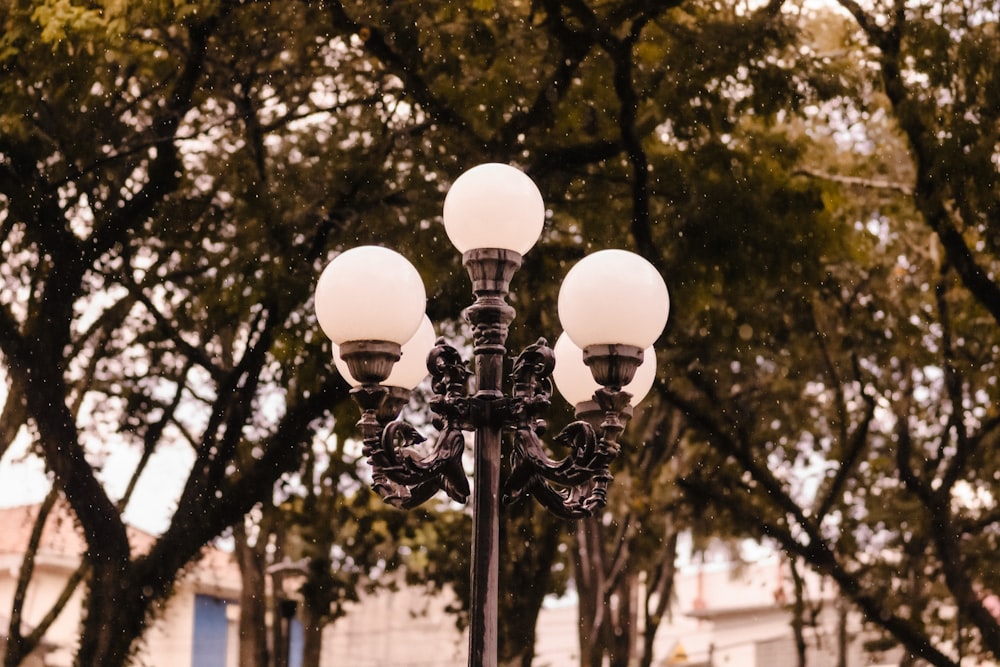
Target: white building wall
(741, 655)
(556, 642)
(405, 628)
(168, 642)
(45, 588)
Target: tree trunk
(279, 627)
(658, 595)
(798, 613)
(279, 631)
(253, 601)
(116, 615)
(842, 638)
(620, 622)
(525, 582)
(19, 646)
(312, 637)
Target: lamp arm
(575, 486)
(400, 475)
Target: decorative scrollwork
(575, 486)
(449, 377)
(571, 487)
(400, 474)
(532, 383)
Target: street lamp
(612, 305)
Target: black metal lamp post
(612, 304)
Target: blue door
(211, 632)
(295, 643)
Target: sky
(23, 481)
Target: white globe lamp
(613, 297)
(411, 368)
(370, 293)
(494, 205)
(575, 381)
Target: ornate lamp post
(612, 304)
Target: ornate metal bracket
(575, 486)
(571, 487)
(401, 475)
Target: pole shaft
(485, 533)
(490, 315)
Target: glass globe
(613, 297)
(412, 365)
(494, 206)
(576, 383)
(370, 293)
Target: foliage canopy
(818, 187)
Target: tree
(173, 178)
(124, 286)
(889, 402)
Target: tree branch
(853, 449)
(415, 85)
(931, 190)
(817, 553)
(856, 181)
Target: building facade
(196, 627)
(721, 616)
